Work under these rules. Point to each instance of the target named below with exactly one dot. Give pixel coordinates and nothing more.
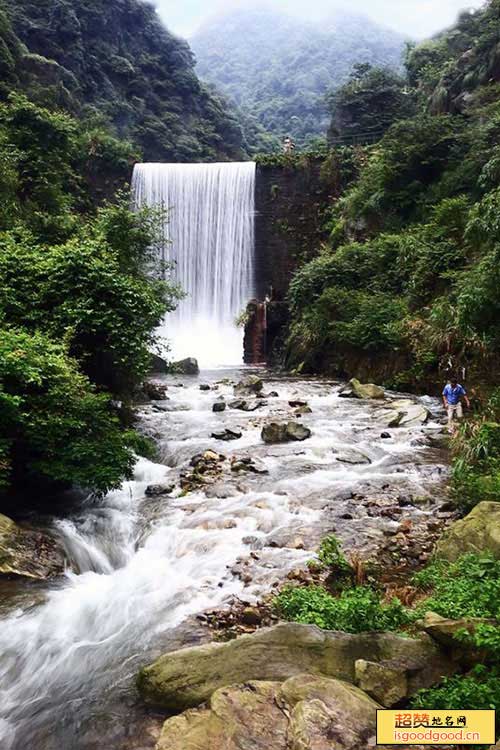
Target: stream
(140, 568)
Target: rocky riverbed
(222, 517)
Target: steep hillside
(278, 69)
(115, 59)
(407, 288)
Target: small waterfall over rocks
(209, 237)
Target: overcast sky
(416, 18)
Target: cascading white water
(141, 565)
(209, 237)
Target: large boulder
(183, 679)
(444, 630)
(284, 432)
(386, 682)
(366, 390)
(408, 413)
(158, 364)
(305, 712)
(188, 366)
(478, 532)
(252, 385)
(155, 391)
(28, 553)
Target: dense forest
(417, 230)
(278, 70)
(406, 286)
(401, 286)
(116, 63)
(77, 307)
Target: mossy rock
(303, 712)
(478, 532)
(28, 553)
(366, 390)
(184, 679)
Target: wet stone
(238, 403)
(227, 435)
(157, 490)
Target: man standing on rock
(452, 399)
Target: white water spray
(209, 237)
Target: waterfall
(209, 238)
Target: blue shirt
(453, 395)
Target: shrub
(93, 291)
(480, 689)
(356, 610)
(54, 426)
(469, 587)
(330, 554)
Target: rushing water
(209, 237)
(141, 566)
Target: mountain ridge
(278, 70)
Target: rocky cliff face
(291, 199)
(116, 59)
(293, 195)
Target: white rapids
(209, 238)
(140, 567)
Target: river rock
(227, 435)
(302, 411)
(346, 392)
(366, 390)
(408, 413)
(28, 553)
(185, 678)
(204, 387)
(188, 366)
(155, 391)
(249, 386)
(251, 616)
(237, 403)
(246, 463)
(276, 432)
(163, 407)
(157, 490)
(444, 630)
(253, 405)
(158, 364)
(297, 403)
(478, 532)
(305, 713)
(386, 682)
(352, 457)
(219, 406)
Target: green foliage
(356, 610)
(480, 689)
(92, 291)
(411, 266)
(369, 102)
(55, 426)
(80, 297)
(486, 637)
(476, 465)
(118, 60)
(330, 554)
(469, 587)
(397, 182)
(278, 70)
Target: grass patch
(355, 610)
